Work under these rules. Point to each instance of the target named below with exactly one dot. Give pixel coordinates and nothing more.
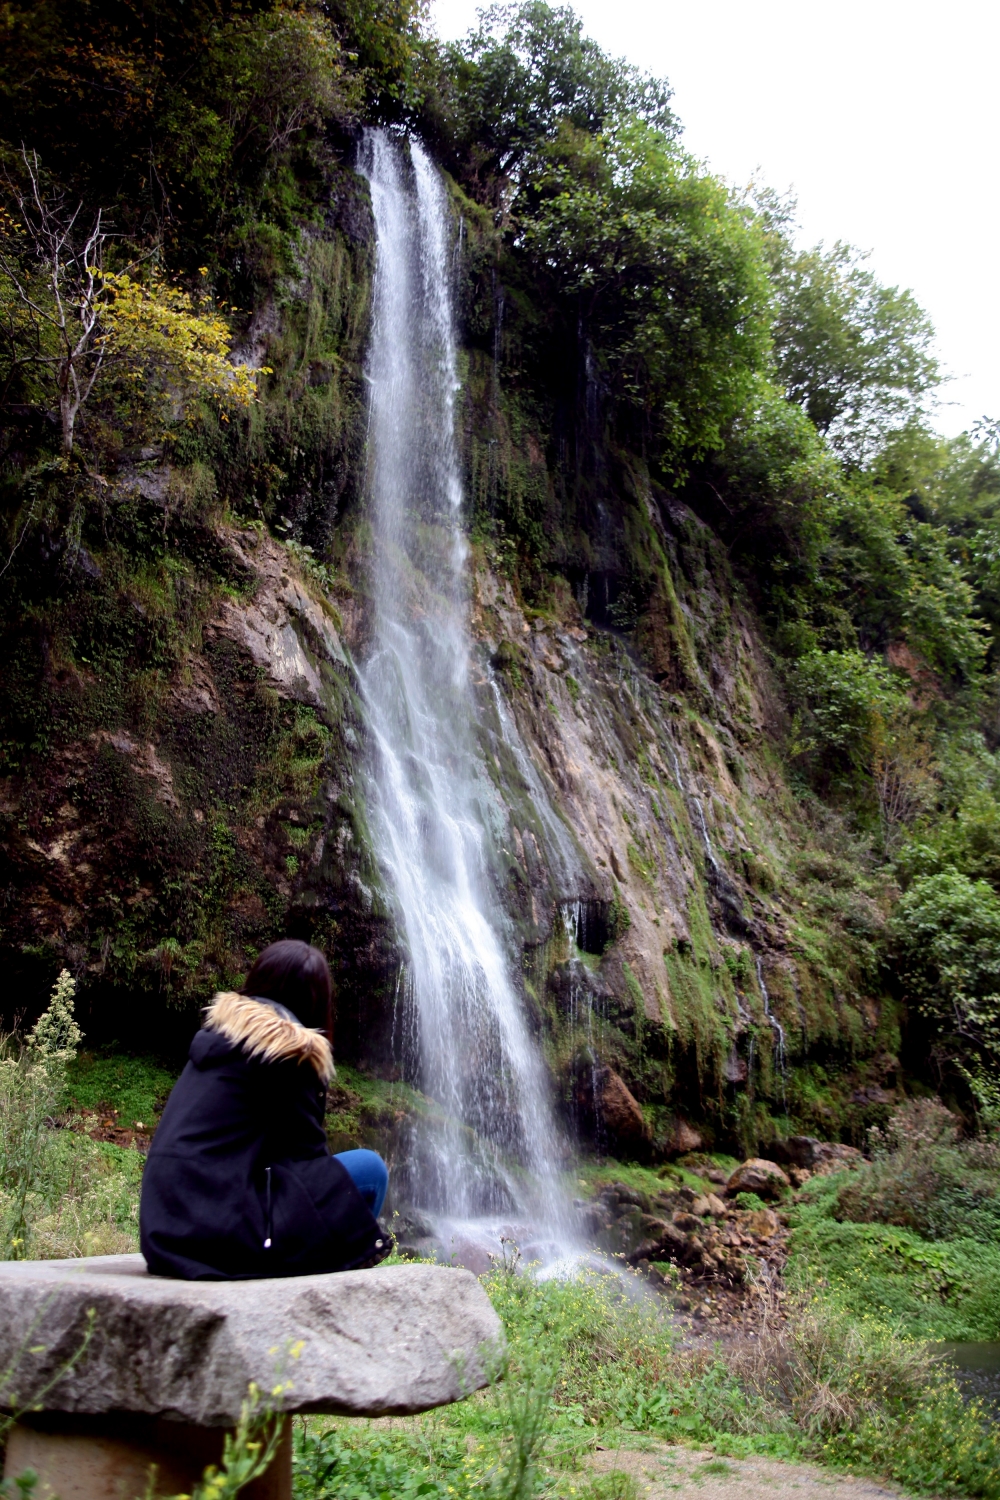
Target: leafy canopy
(854, 354)
(663, 270)
(523, 74)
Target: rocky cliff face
(186, 743)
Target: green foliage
(840, 697)
(663, 268)
(619, 918)
(955, 485)
(390, 56)
(946, 933)
(32, 1081)
(220, 108)
(750, 1201)
(522, 76)
(854, 354)
(889, 1275)
(135, 1088)
(923, 1178)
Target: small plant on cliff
(32, 1083)
(619, 918)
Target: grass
(591, 1176)
(86, 1202)
(589, 1364)
(136, 1088)
(943, 1289)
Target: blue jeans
(369, 1174)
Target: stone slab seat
(169, 1362)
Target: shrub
(840, 699)
(921, 1177)
(32, 1083)
(946, 932)
(61, 1193)
(859, 1394)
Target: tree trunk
(67, 416)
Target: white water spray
(493, 1152)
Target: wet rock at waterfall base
(765, 1178)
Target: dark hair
(298, 977)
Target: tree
(66, 322)
(661, 271)
(50, 294)
(183, 119)
(522, 75)
(854, 354)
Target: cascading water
(493, 1151)
(779, 1034)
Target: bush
(840, 699)
(922, 1177)
(946, 933)
(861, 1395)
(32, 1083)
(61, 1193)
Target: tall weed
(32, 1083)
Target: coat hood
(268, 1031)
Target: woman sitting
(239, 1181)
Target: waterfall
(779, 1034)
(493, 1148)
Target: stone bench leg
(109, 1458)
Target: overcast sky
(881, 116)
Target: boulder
(812, 1155)
(762, 1223)
(619, 1110)
(687, 1222)
(831, 1156)
(662, 1242)
(140, 1406)
(390, 1340)
(679, 1138)
(796, 1151)
(765, 1178)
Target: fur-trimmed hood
(268, 1031)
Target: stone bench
(169, 1363)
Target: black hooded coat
(239, 1182)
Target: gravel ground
(673, 1473)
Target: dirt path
(668, 1473)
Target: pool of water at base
(977, 1370)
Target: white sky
(883, 117)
